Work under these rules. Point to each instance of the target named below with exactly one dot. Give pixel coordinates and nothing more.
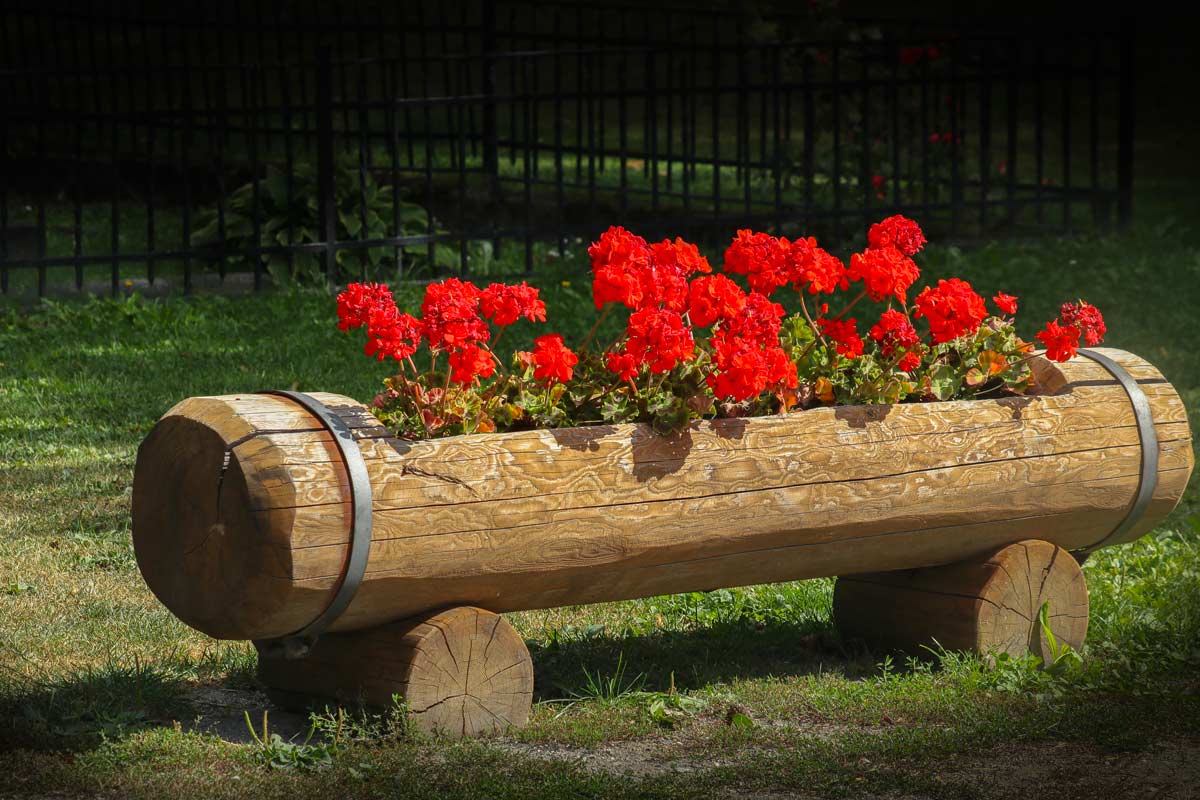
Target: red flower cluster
(769, 262)
(899, 232)
(1076, 320)
(1061, 341)
(844, 333)
(450, 321)
(747, 355)
(618, 260)
(627, 270)
(504, 304)
(450, 315)
(762, 258)
(712, 298)
(553, 361)
(895, 333)
(1005, 302)
(1087, 318)
(471, 362)
(657, 337)
(389, 331)
(953, 309)
(885, 272)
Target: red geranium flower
(1087, 318)
(505, 304)
(745, 368)
(895, 333)
(660, 338)
(885, 272)
(758, 321)
(809, 265)
(844, 333)
(900, 231)
(681, 254)
(953, 309)
(624, 365)
(471, 362)
(762, 258)
(1061, 341)
(712, 298)
(392, 333)
(450, 315)
(1005, 302)
(553, 360)
(355, 304)
(618, 260)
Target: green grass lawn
(101, 688)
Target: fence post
(1125, 126)
(326, 194)
(491, 139)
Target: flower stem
(812, 325)
(853, 303)
(599, 321)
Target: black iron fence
(265, 143)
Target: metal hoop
(298, 644)
(1148, 480)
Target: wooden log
(241, 504)
(984, 605)
(462, 671)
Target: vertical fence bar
(1014, 50)
(526, 69)
(364, 157)
(866, 177)
(394, 156)
(810, 144)
(956, 143)
(491, 158)
(1039, 127)
(559, 196)
(1065, 112)
(289, 163)
(715, 77)
(836, 90)
(985, 132)
(115, 218)
(326, 199)
(650, 110)
(1126, 108)
(1099, 208)
(251, 79)
(43, 114)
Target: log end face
(986, 605)
(197, 543)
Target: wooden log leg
(990, 604)
(463, 671)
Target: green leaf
(945, 382)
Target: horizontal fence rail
(260, 144)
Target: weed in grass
(272, 751)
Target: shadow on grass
(693, 659)
(80, 710)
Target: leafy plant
(274, 752)
(287, 214)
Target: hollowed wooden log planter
(950, 519)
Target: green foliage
(364, 211)
(272, 751)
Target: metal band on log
(298, 644)
(243, 506)
(1148, 481)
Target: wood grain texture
(246, 535)
(462, 671)
(985, 605)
